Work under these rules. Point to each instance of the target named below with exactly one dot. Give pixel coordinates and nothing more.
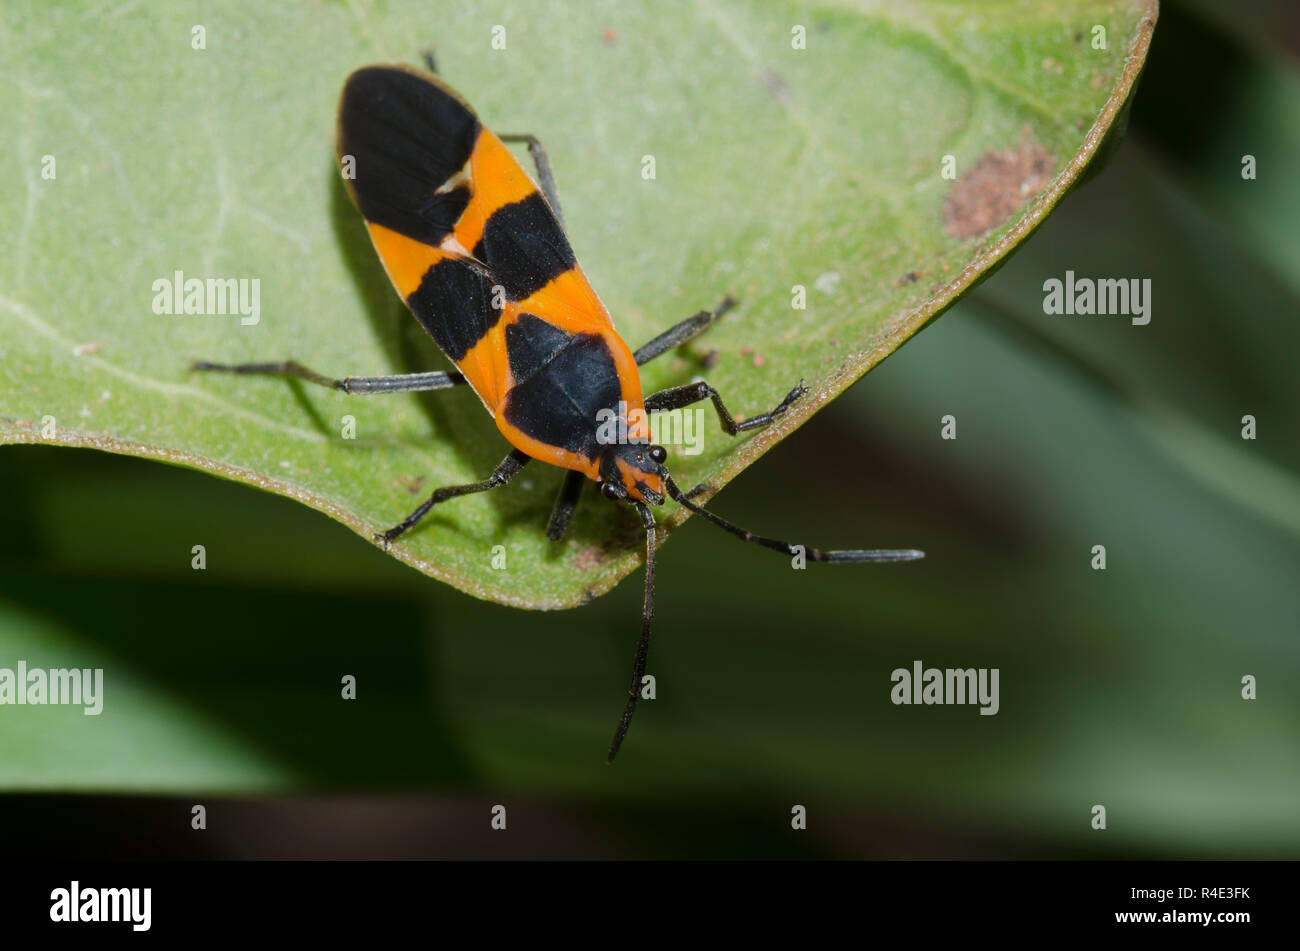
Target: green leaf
(775, 167)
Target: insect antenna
(643, 645)
(812, 554)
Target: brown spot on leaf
(409, 483)
(999, 183)
(588, 558)
(775, 84)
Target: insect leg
(545, 177)
(500, 476)
(675, 397)
(850, 556)
(398, 383)
(565, 503)
(679, 334)
(643, 643)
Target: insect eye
(610, 491)
(658, 453)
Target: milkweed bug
(477, 251)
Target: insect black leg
(676, 397)
(545, 177)
(643, 643)
(398, 383)
(429, 61)
(699, 490)
(858, 555)
(678, 334)
(565, 503)
(500, 476)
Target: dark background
(1119, 687)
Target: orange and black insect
(477, 251)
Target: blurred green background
(1119, 687)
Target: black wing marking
(571, 380)
(454, 304)
(409, 136)
(524, 246)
